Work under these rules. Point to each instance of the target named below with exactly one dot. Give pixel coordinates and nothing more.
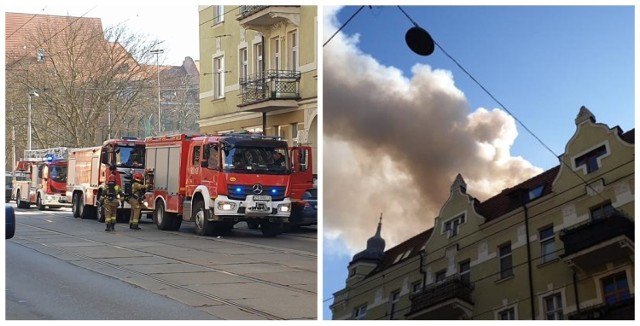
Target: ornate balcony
(597, 242)
(260, 18)
(275, 89)
(619, 310)
(450, 299)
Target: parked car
(9, 185)
(10, 222)
(305, 212)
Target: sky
(175, 24)
(399, 127)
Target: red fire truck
(89, 168)
(218, 181)
(46, 170)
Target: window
(416, 287)
(218, 14)
(536, 192)
(553, 306)
(451, 226)
(591, 159)
(465, 271)
(360, 312)
(440, 276)
(293, 50)
(258, 59)
(195, 160)
(393, 303)
(243, 64)
(218, 77)
(275, 53)
(615, 288)
(601, 211)
(507, 314)
(506, 265)
(547, 244)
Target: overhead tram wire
(343, 25)
(23, 25)
(505, 108)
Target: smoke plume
(394, 144)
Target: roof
(492, 208)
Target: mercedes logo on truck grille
(257, 188)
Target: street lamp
(31, 94)
(157, 52)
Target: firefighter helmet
(138, 176)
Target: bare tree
(90, 82)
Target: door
(302, 171)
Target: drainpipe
(575, 291)
(264, 114)
(526, 225)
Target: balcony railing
(452, 288)
(272, 85)
(249, 10)
(596, 231)
(619, 310)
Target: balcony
(450, 299)
(273, 90)
(597, 242)
(260, 18)
(623, 310)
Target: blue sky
(543, 63)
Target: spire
(459, 183)
(375, 247)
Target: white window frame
(501, 257)
(243, 63)
(452, 226)
(218, 14)
(257, 59)
(416, 287)
(360, 312)
(394, 298)
(548, 241)
(218, 77)
(556, 298)
(462, 273)
(294, 50)
(513, 307)
(276, 53)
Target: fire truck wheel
(165, 220)
(41, 205)
(19, 202)
(202, 225)
(270, 229)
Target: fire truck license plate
(262, 198)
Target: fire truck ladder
(39, 154)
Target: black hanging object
(419, 41)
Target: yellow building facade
(258, 71)
(557, 246)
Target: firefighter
(110, 202)
(135, 200)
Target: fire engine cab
(218, 181)
(46, 171)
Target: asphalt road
(60, 267)
(40, 287)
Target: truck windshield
(58, 173)
(130, 156)
(250, 159)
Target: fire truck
(218, 181)
(89, 168)
(46, 171)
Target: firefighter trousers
(110, 209)
(136, 209)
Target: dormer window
(591, 159)
(536, 192)
(451, 227)
(40, 55)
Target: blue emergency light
(49, 158)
